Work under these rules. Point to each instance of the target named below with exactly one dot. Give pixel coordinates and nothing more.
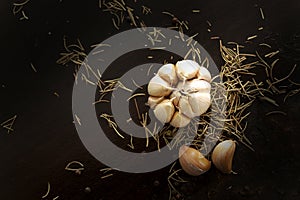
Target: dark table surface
(44, 139)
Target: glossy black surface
(45, 139)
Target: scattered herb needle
(18, 8)
(48, 191)
(276, 112)
(111, 123)
(33, 68)
(252, 37)
(8, 124)
(146, 10)
(105, 171)
(75, 166)
(56, 94)
(262, 13)
(78, 120)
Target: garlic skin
(176, 97)
(222, 156)
(186, 107)
(179, 120)
(164, 111)
(197, 85)
(168, 73)
(204, 74)
(192, 161)
(153, 101)
(187, 69)
(186, 86)
(200, 102)
(158, 87)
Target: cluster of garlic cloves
(180, 92)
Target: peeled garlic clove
(204, 74)
(164, 111)
(153, 101)
(186, 107)
(176, 97)
(200, 102)
(222, 156)
(187, 69)
(168, 73)
(197, 85)
(159, 87)
(179, 120)
(192, 161)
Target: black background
(45, 139)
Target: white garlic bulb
(180, 92)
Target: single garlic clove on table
(204, 74)
(164, 111)
(187, 69)
(180, 120)
(158, 87)
(200, 102)
(222, 156)
(168, 73)
(153, 101)
(192, 161)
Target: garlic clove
(176, 97)
(192, 161)
(187, 69)
(197, 85)
(222, 156)
(164, 111)
(179, 120)
(153, 101)
(204, 74)
(186, 108)
(168, 73)
(200, 102)
(159, 87)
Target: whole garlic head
(180, 92)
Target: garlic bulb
(222, 156)
(186, 86)
(192, 161)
